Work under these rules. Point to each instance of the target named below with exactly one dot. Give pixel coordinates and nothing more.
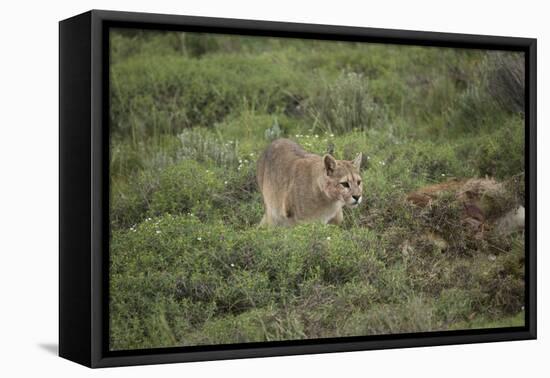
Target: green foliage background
(190, 113)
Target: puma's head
(343, 180)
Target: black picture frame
(84, 188)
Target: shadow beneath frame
(51, 348)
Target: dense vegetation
(189, 115)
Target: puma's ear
(357, 161)
(330, 164)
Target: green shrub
(506, 81)
(152, 95)
(198, 44)
(413, 315)
(130, 200)
(473, 111)
(344, 106)
(129, 43)
(496, 91)
(186, 187)
(309, 281)
(205, 148)
(501, 154)
(454, 305)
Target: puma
(298, 186)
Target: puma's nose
(356, 198)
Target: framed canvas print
(234, 188)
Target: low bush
(496, 92)
(506, 81)
(205, 148)
(186, 187)
(500, 154)
(151, 95)
(344, 106)
(309, 281)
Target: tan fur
(298, 186)
(425, 195)
(470, 193)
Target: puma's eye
(359, 182)
(345, 184)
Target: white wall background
(29, 189)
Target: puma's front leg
(338, 218)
